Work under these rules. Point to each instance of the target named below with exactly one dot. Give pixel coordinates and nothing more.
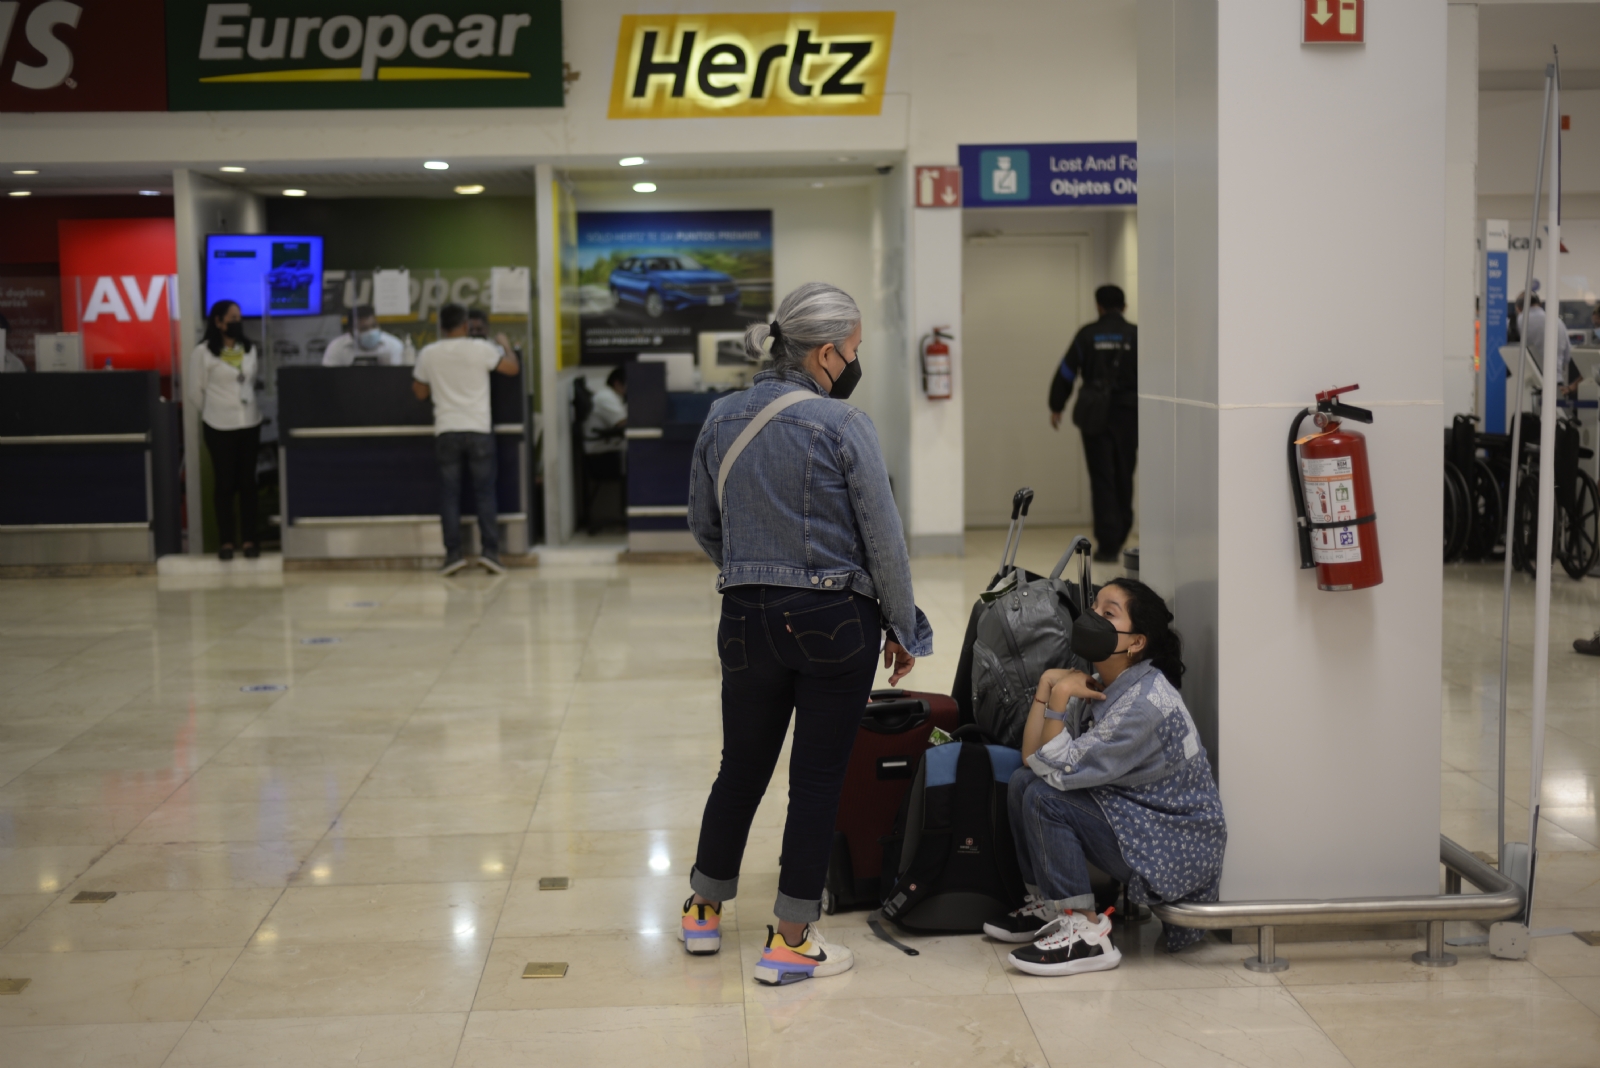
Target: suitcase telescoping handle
(1021, 501)
(1080, 544)
(895, 717)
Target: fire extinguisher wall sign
(1337, 520)
(936, 375)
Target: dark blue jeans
(1059, 833)
(783, 651)
(477, 452)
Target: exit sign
(1333, 21)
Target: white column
(1292, 238)
(557, 464)
(936, 449)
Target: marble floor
(325, 804)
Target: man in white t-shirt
(363, 343)
(454, 371)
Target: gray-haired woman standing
(790, 497)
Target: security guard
(1105, 357)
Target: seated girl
(1115, 776)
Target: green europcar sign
(316, 54)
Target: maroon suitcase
(893, 735)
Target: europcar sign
(784, 63)
(299, 54)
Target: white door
(1023, 300)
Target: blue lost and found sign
(1496, 246)
(1078, 174)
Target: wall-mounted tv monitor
(268, 274)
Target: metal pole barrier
(1266, 958)
(1435, 956)
(1511, 478)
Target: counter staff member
(1105, 356)
(220, 384)
(454, 371)
(362, 342)
(605, 450)
(478, 326)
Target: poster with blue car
(651, 281)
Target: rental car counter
(662, 429)
(88, 468)
(358, 475)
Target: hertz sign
(714, 66)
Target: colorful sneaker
(816, 957)
(701, 932)
(1069, 945)
(1024, 924)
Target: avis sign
(304, 54)
(779, 63)
(116, 290)
(61, 56)
(1333, 22)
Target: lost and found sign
(1079, 174)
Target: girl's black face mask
(234, 330)
(1094, 638)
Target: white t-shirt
(609, 410)
(344, 350)
(456, 371)
(224, 395)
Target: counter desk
(662, 430)
(358, 475)
(88, 468)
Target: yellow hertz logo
(230, 33)
(803, 63)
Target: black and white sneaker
(1072, 944)
(1024, 924)
(490, 562)
(452, 563)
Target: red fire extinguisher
(936, 364)
(1336, 521)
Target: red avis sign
(98, 55)
(1333, 21)
(116, 290)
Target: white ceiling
(1514, 43)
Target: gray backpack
(1024, 628)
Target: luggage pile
(923, 830)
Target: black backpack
(952, 845)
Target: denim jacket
(808, 503)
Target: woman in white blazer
(221, 385)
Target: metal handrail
(1501, 899)
(138, 438)
(417, 430)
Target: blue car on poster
(674, 282)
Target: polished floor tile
(346, 871)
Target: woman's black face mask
(845, 384)
(1094, 638)
(234, 330)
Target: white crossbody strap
(748, 434)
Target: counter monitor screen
(282, 273)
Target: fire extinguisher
(936, 364)
(1335, 519)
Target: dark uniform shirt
(1106, 350)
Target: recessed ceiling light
(149, 192)
(25, 172)
(469, 190)
(845, 159)
(437, 165)
(294, 192)
(630, 161)
(818, 185)
(644, 187)
(29, 193)
(231, 170)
